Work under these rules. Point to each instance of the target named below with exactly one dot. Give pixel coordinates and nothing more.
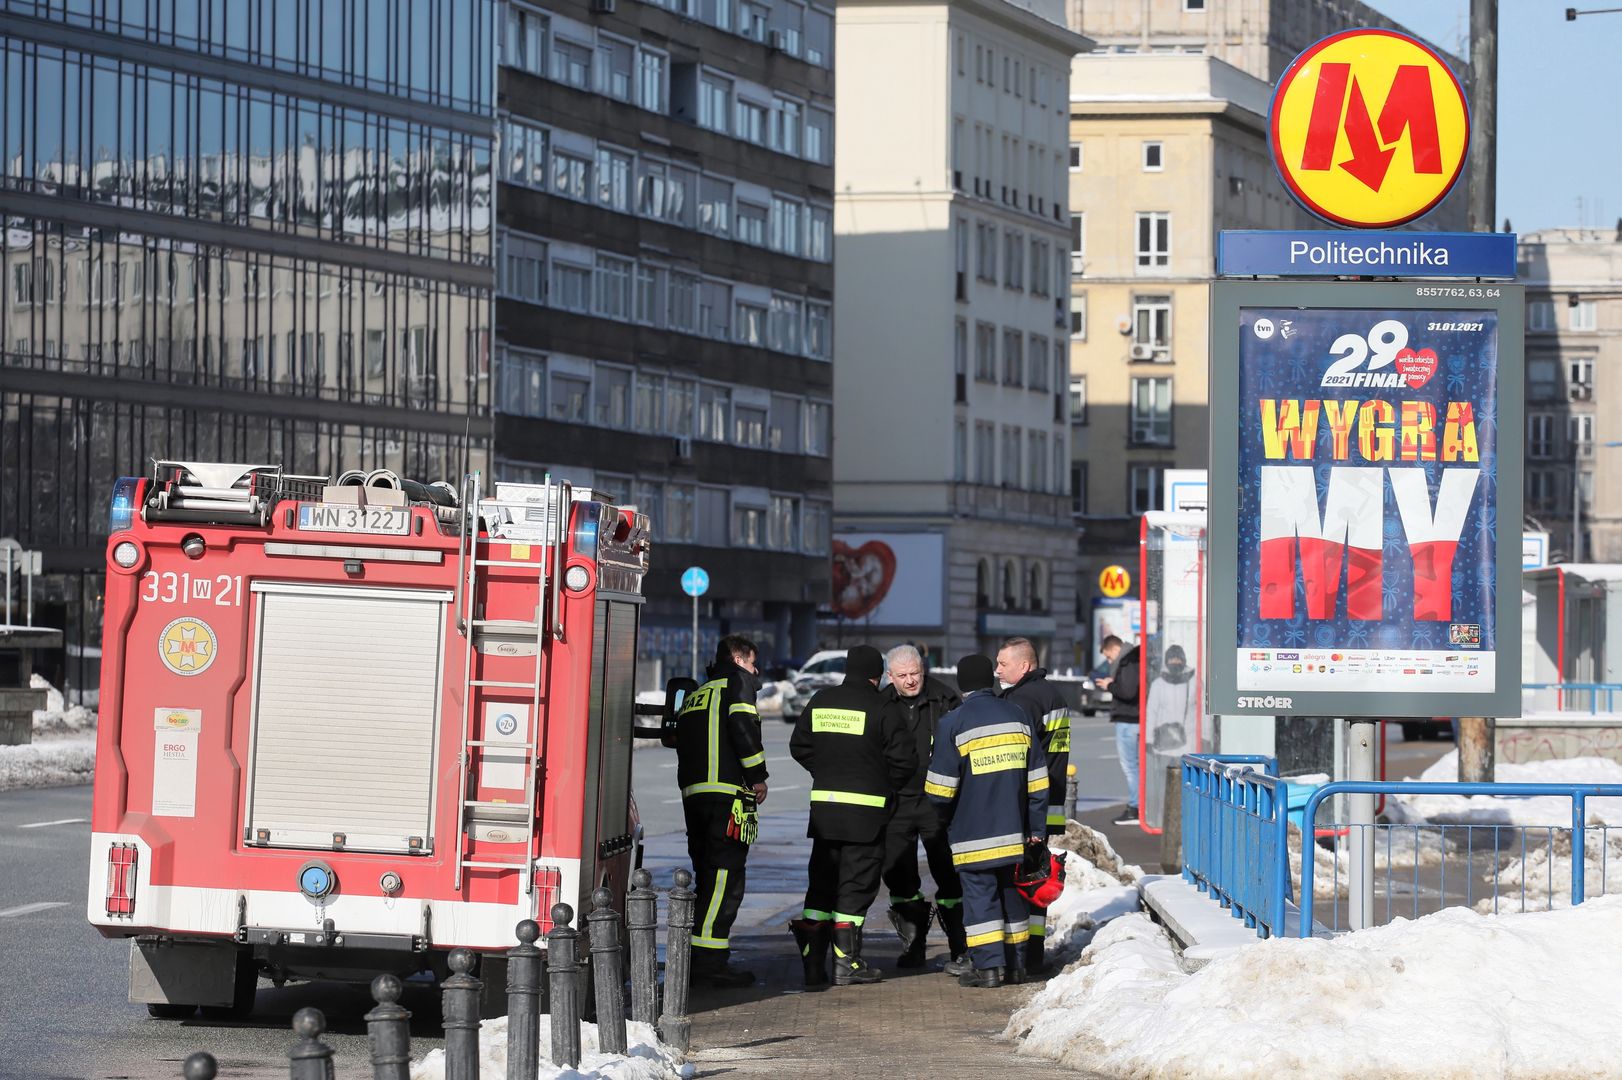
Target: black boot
(711, 966)
(849, 967)
(957, 939)
(811, 935)
(1014, 962)
(985, 978)
(1035, 964)
(911, 921)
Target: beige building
(951, 450)
(1573, 281)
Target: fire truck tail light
(126, 553)
(548, 890)
(121, 862)
(577, 579)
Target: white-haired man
(920, 702)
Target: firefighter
(920, 702)
(988, 778)
(1027, 686)
(721, 767)
(858, 754)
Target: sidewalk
(915, 1023)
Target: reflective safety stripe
(854, 798)
(754, 759)
(932, 788)
(855, 920)
(988, 841)
(984, 927)
(1020, 938)
(710, 789)
(940, 779)
(1056, 817)
(744, 707)
(990, 729)
(1058, 718)
(988, 742)
(955, 901)
(816, 916)
(970, 857)
(709, 942)
(990, 937)
(1037, 785)
(706, 933)
(1038, 773)
(1039, 925)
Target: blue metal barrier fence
(1568, 694)
(1235, 836)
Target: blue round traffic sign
(695, 581)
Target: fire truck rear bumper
(333, 939)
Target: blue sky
(1558, 83)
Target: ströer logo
(1269, 702)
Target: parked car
(825, 668)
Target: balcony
(1010, 504)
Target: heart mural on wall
(862, 577)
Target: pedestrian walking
(920, 702)
(1026, 685)
(1124, 713)
(721, 768)
(859, 755)
(988, 777)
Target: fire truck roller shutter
(346, 716)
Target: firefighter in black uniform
(1027, 686)
(858, 754)
(920, 701)
(721, 767)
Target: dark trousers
(843, 879)
(915, 819)
(718, 869)
(994, 914)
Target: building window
(715, 310)
(525, 44)
(715, 205)
(785, 225)
(1036, 364)
(819, 245)
(1075, 157)
(1154, 240)
(1041, 277)
(787, 119)
(1152, 157)
(1539, 315)
(1583, 315)
(614, 169)
(1540, 435)
(985, 452)
(650, 403)
(784, 324)
(571, 176)
(818, 519)
(749, 426)
(1542, 379)
(568, 396)
(1193, 5)
(783, 426)
(615, 61)
(752, 223)
(1013, 358)
(783, 523)
(960, 361)
(1078, 399)
(571, 63)
(750, 324)
(1580, 378)
(1078, 316)
(1580, 430)
(681, 402)
(818, 334)
(1013, 259)
(818, 415)
(985, 352)
(571, 287)
(960, 450)
(1540, 488)
(819, 125)
(714, 103)
(1147, 482)
(682, 311)
(1013, 446)
(612, 299)
(1036, 461)
(1078, 488)
(1151, 412)
(714, 412)
(1078, 242)
(523, 268)
(750, 122)
(1151, 328)
(985, 252)
(819, 39)
(523, 389)
(611, 397)
(653, 81)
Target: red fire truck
(347, 727)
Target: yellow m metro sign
(1369, 128)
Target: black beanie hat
(864, 662)
(974, 673)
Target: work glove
(743, 825)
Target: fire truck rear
(347, 727)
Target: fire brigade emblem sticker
(186, 646)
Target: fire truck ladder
(549, 537)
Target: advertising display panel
(1359, 568)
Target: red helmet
(1041, 890)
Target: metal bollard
(459, 997)
(310, 1058)
(388, 1030)
(1070, 793)
(524, 1004)
(608, 972)
(563, 969)
(200, 1066)
(674, 1026)
(642, 922)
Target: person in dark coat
(921, 702)
(1125, 712)
(721, 768)
(859, 755)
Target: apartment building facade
(952, 448)
(250, 232)
(664, 303)
(1573, 281)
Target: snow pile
(647, 1059)
(56, 762)
(1542, 877)
(57, 717)
(1452, 995)
(1491, 810)
(1098, 887)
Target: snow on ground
(648, 1059)
(1452, 995)
(64, 748)
(57, 717)
(1542, 877)
(1098, 887)
(1490, 810)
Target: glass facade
(244, 230)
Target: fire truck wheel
(167, 1011)
(243, 992)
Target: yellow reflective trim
(932, 788)
(710, 789)
(991, 937)
(985, 742)
(742, 706)
(1055, 817)
(1059, 722)
(1037, 785)
(1059, 742)
(986, 854)
(1020, 938)
(854, 798)
(754, 759)
(710, 943)
(705, 934)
